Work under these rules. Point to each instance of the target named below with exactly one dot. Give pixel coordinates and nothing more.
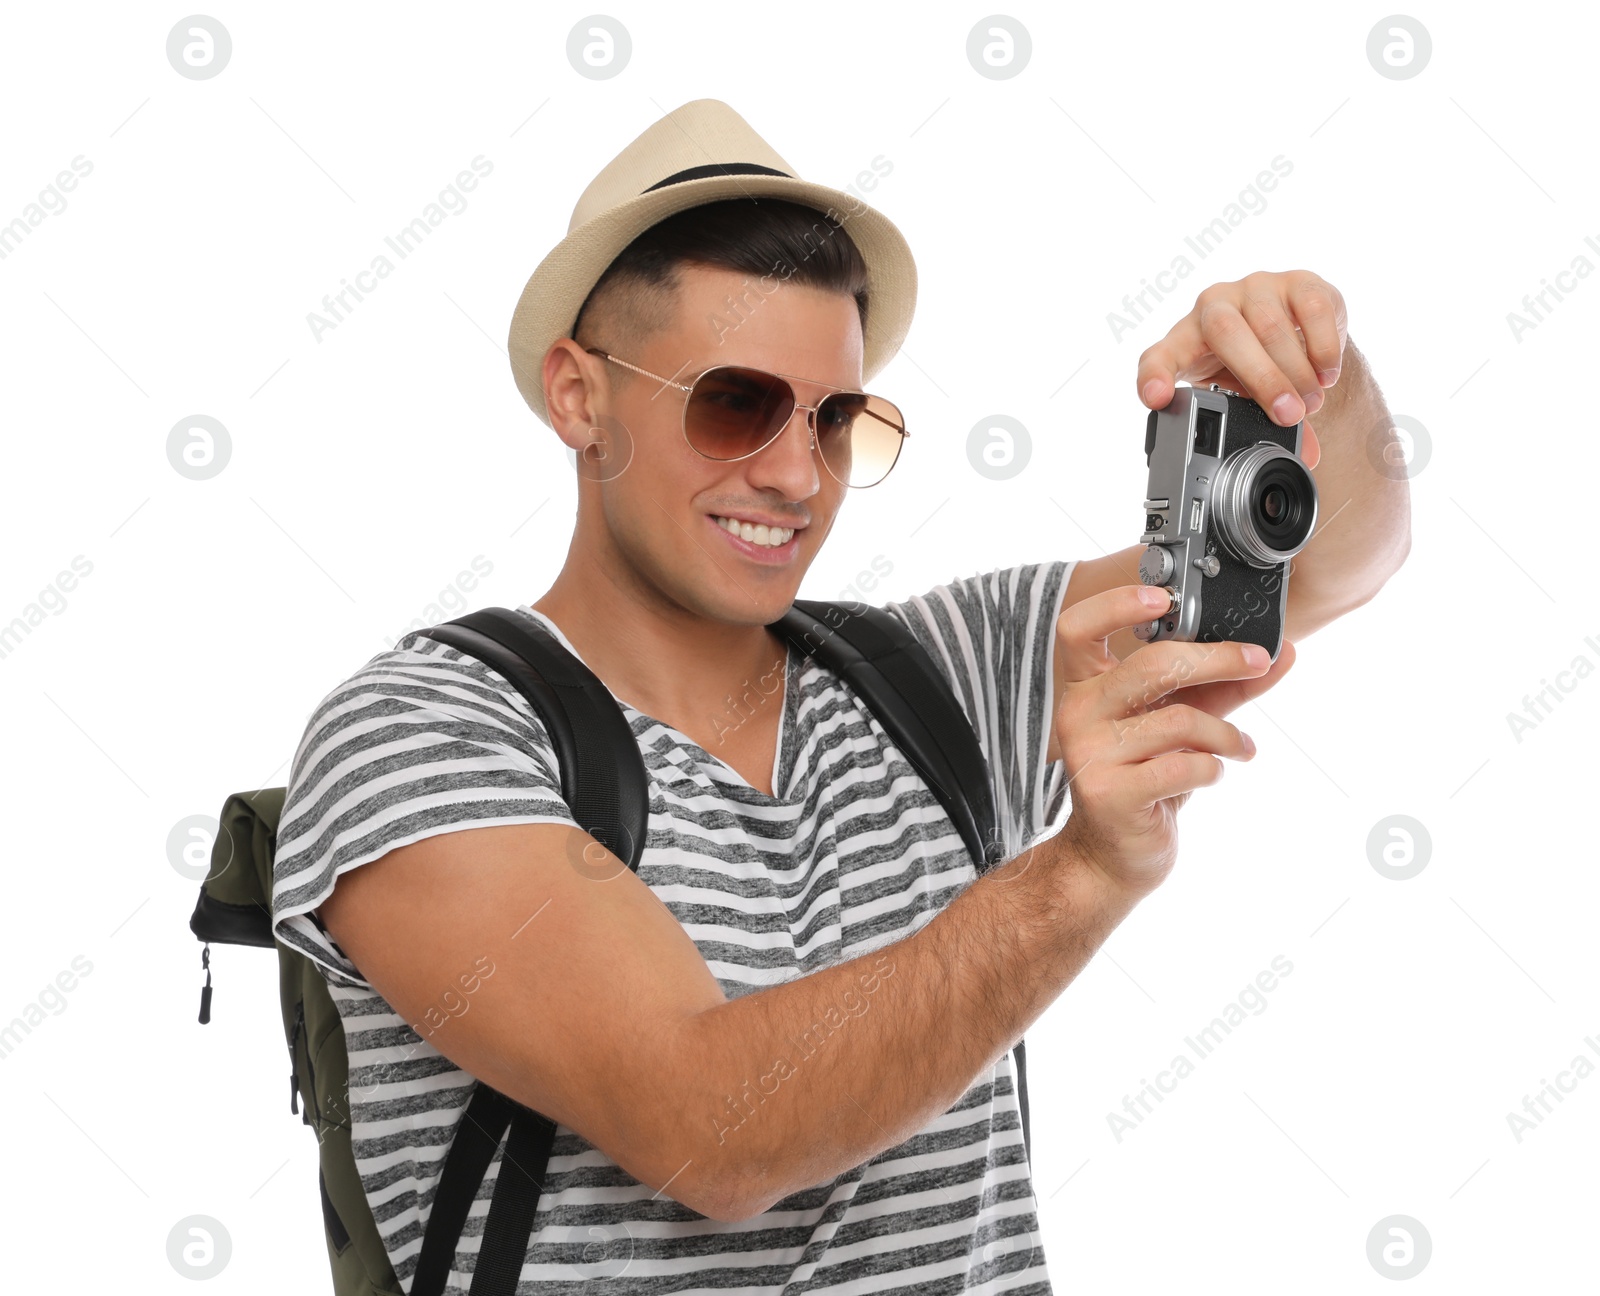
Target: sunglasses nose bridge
(795, 407)
(813, 451)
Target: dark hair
(637, 294)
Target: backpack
(603, 780)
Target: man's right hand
(1134, 748)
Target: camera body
(1229, 503)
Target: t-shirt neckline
(782, 769)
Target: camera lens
(1264, 502)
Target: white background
(370, 467)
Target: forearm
(1363, 513)
(790, 1086)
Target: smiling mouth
(772, 537)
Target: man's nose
(788, 461)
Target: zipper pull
(294, 1077)
(205, 990)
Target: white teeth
(761, 534)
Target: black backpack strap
(603, 780)
(511, 1211)
(881, 659)
(477, 1137)
(516, 1200)
(1020, 1052)
(602, 773)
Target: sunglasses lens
(860, 437)
(733, 412)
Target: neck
(697, 674)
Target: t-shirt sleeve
(421, 740)
(992, 636)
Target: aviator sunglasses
(732, 412)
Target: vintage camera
(1230, 502)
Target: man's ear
(568, 393)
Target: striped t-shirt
(852, 853)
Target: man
(781, 1052)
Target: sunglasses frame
(811, 411)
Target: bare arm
(874, 1049)
(601, 1013)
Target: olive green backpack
(603, 781)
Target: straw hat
(698, 153)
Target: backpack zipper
(294, 1070)
(205, 990)
(312, 1107)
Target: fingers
(1159, 669)
(1217, 343)
(1275, 330)
(1282, 334)
(1160, 364)
(1221, 698)
(1233, 338)
(1083, 627)
(1319, 310)
(1175, 728)
(1121, 792)
(1175, 774)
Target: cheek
(640, 454)
(834, 497)
(649, 489)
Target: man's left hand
(1277, 337)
